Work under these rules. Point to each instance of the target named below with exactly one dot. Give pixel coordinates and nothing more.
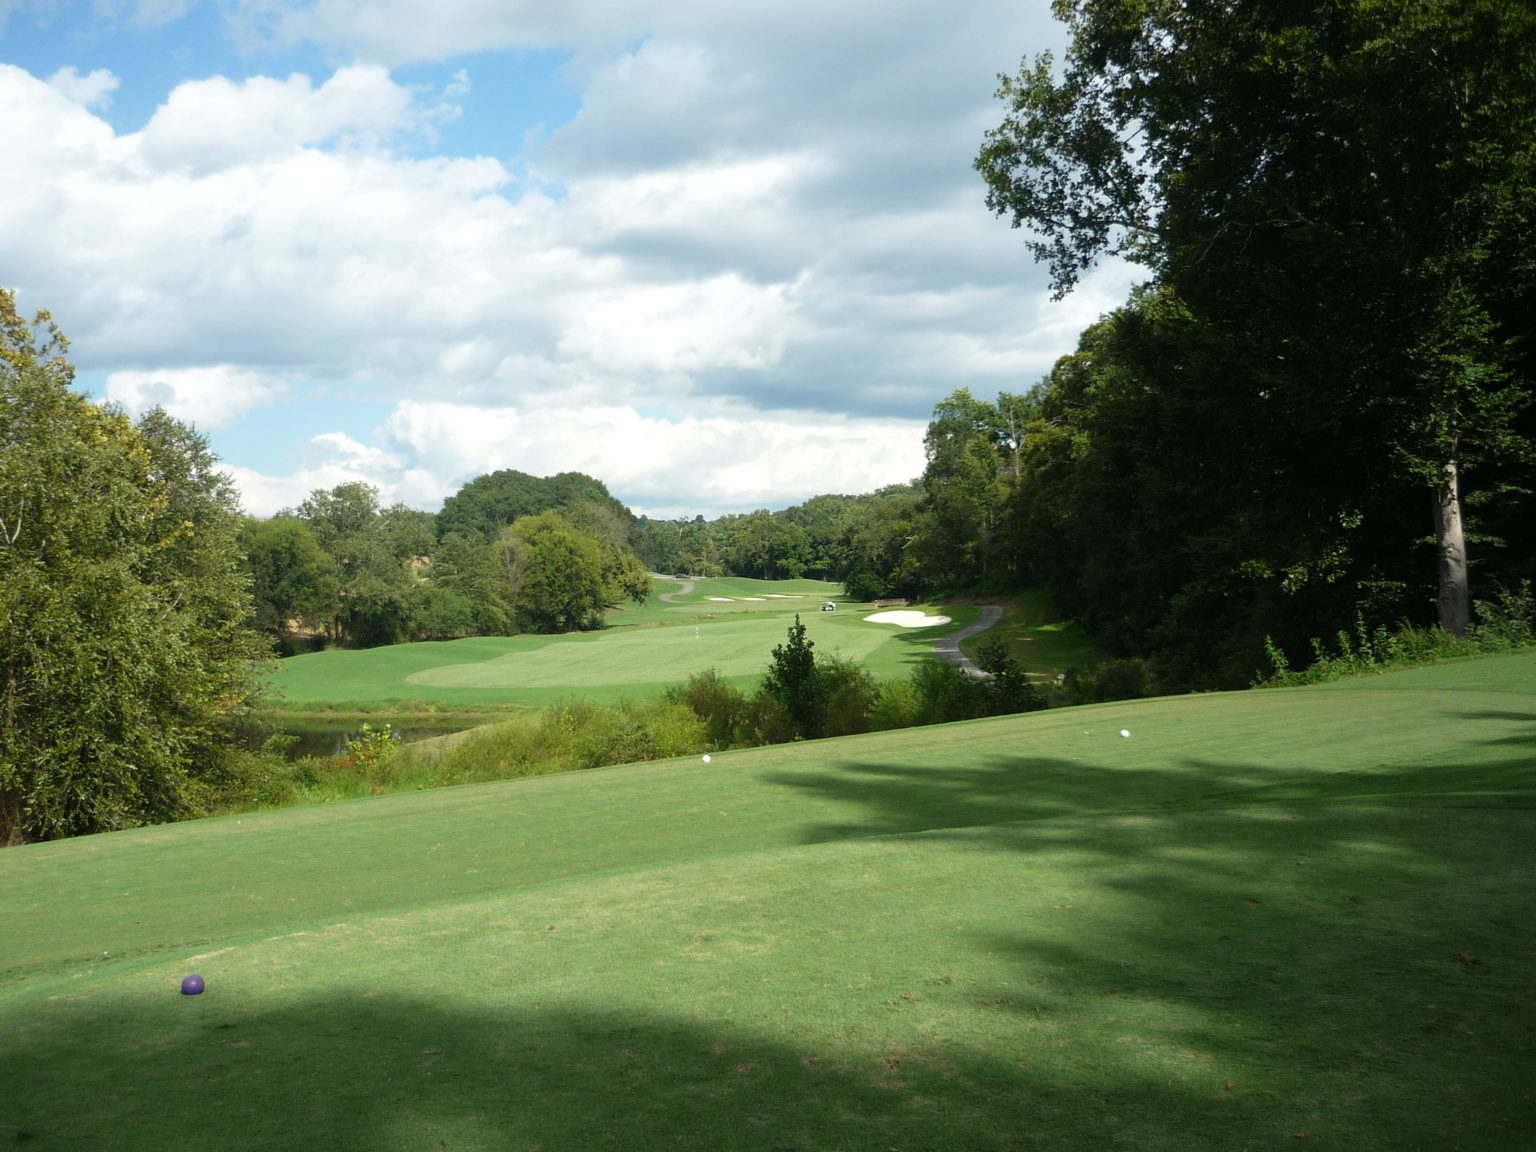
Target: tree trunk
(1453, 603)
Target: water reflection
(330, 737)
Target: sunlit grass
(667, 645)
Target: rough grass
(1262, 916)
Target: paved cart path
(948, 647)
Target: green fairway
(1264, 916)
(662, 643)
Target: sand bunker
(907, 619)
(749, 597)
(721, 599)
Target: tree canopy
(1341, 194)
(125, 661)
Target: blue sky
(721, 257)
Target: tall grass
(1505, 623)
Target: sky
(721, 256)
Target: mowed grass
(667, 643)
(1260, 917)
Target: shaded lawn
(1146, 982)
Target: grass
(663, 643)
(1268, 915)
(1040, 639)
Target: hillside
(1257, 916)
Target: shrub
(250, 779)
(1509, 618)
(794, 679)
(850, 697)
(1129, 679)
(895, 706)
(715, 700)
(1508, 621)
(628, 732)
(1008, 688)
(370, 752)
(766, 721)
(944, 692)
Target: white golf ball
(706, 759)
(1125, 731)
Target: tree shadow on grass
(894, 798)
(1356, 947)
(1126, 943)
(1190, 980)
(396, 1073)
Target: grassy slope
(1013, 933)
(1040, 639)
(667, 643)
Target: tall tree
(489, 503)
(973, 448)
(293, 581)
(561, 578)
(874, 557)
(124, 660)
(1347, 185)
(374, 551)
(796, 682)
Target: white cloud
(328, 460)
(660, 466)
(93, 90)
(207, 397)
(215, 123)
(723, 322)
(663, 466)
(760, 212)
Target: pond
(322, 737)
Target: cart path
(948, 647)
(687, 587)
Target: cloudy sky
(721, 254)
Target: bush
(850, 697)
(628, 732)
(943, 693)
(372, 750)
(715, 700)
(1510, 618)
(766, 721)
(1508, 621)
(248, 780)
(1129, 679)
(1008, 688)
(895, 706)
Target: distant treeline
(508, 553)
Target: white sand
(722, 599)
(907, 619)
(749, 597)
